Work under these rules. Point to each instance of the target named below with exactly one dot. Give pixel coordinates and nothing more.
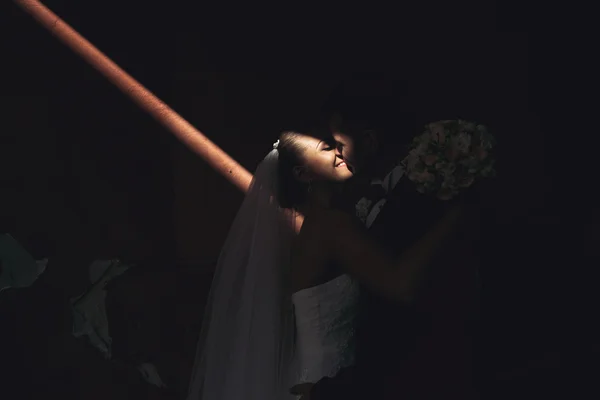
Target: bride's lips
(340, 164)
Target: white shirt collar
(390, 181)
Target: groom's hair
(371, 103)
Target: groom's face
(346, 145)
(356, 149)
(356, 144)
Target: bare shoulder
(335, 219)
(331, 226)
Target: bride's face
(323, 160)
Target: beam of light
(177, 125)
(183, 130)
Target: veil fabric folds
(245, 349)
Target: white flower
(424, 138)
(448, 157)
(446, 169)
(421, 149)
(462, 142)
(413, 159)
(430, 159)
(469, 162)
(438, 131)
(449, 182)
(411, 162)
(485, 138)
(436, 127)
(468, 126)
(421, 177)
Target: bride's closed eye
(328, 145)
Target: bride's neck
(320, 197)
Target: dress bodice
(325, 326)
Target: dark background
(85, 174)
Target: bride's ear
(301, 173)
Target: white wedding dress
(257, 340)
(325, 319)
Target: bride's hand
(302, 390)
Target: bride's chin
(348, 174)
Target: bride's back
(311, 265)
(325, 306)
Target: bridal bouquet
(448, 157)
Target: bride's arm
(363, 258)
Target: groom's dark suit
(418, 351)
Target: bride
(282, 305)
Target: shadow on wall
(57, 201)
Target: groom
(420, 351)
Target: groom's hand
(302, 390)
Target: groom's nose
(339, 150)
